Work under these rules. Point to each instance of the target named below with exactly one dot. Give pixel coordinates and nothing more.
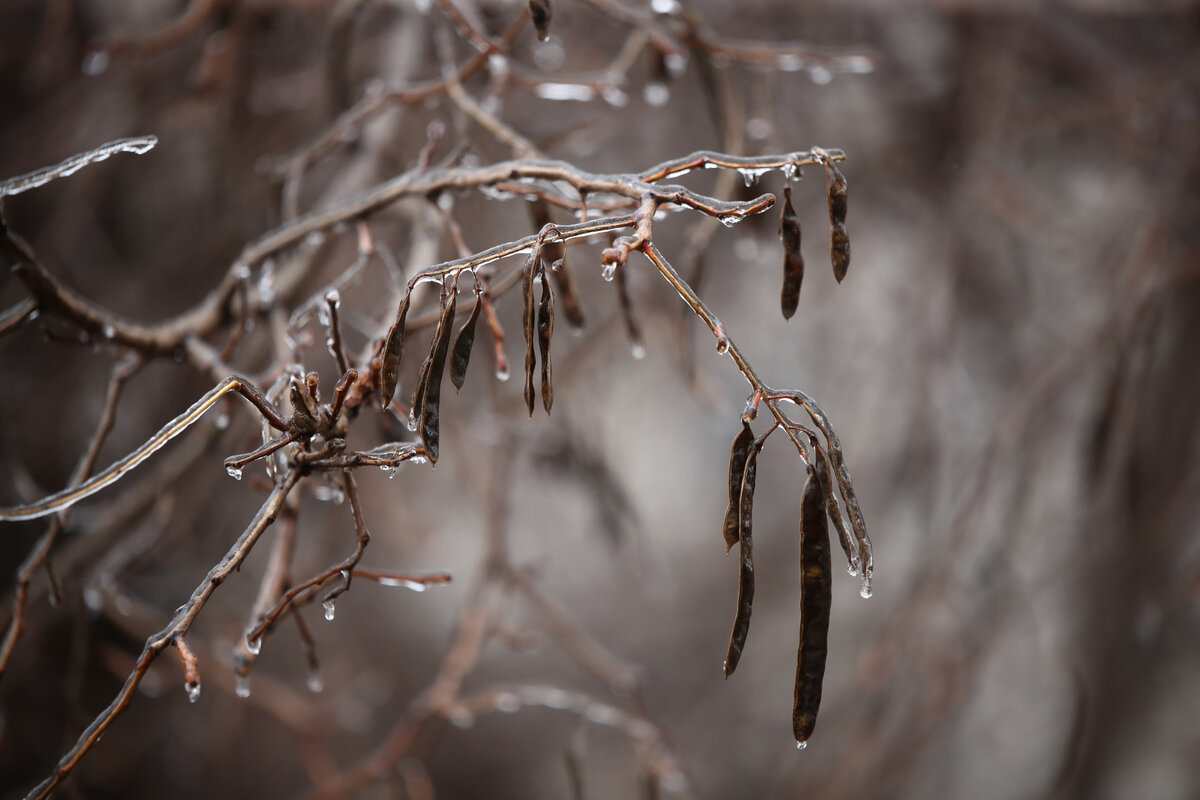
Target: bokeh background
(1011, 363)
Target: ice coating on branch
(416, 586)
(750, 175)
(138, 145)
(566, 91)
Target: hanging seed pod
(529, 320)
(461, 350)
(793, 261)
(834, 509)
(554, 253)
(816, 593)
(841, 474)
(626, 303)
(430, 411)
(737, 467)
(839, 248)
(493, 321)
(393, 350)
(741, 620)
(545, 329)
(540, 12)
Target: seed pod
(431, 399)
(554, 253)
(737, 467)
(793, 261)
(303, 417)
(462, 347)
(839, 248)
(632, 328)
(816, 593)
(834, 510)
(545, 329)
(529, 320)
(741, 620)
(393, 350)
(540, 12)
(841, 473)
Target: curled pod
(461, 350)
(302, 417)
(737, 467)
(393, 350)
(545, 329)
(745, 601)
(816, 593)
(793, 261)
(430, 408)
(839, 249)
(540, 12)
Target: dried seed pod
(834, 510)
(540, 12)
(302, 417)
(529, 320)
(839, 249)
(461, 350)
(545, 329)
(737, 467)
(816, 594)
(555, 254)
(626, 303)
(393, 350)
(430, 407)
(741, 620)
(841, 473)
(793, 261)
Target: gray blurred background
(1011, 364)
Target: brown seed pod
(461, 350)
(839, 248)
(554, 253)
(737, 467)
(741, 620)
(849, 544)
(841, 474)
(393, 350)
(816, 593)
(545, 329)
(793, 261)
(632, 328)
(529, 321)
(540, 12)
(430, 407)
